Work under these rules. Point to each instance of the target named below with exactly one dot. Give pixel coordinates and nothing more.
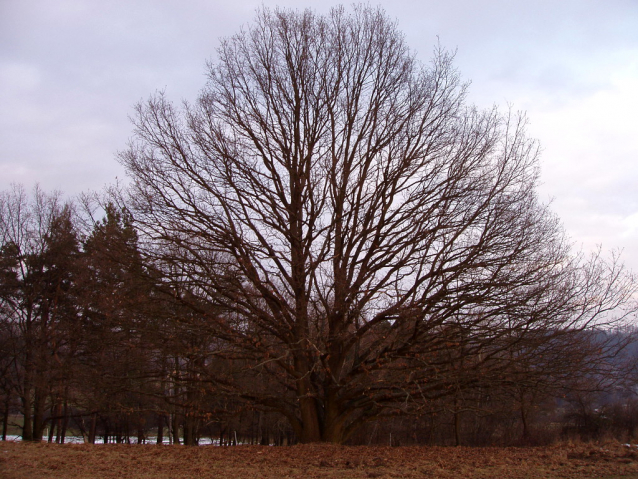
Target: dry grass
(22, 460)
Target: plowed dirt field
(34, 461)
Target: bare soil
(74, 461)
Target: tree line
(328, 240)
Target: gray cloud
(71, 70)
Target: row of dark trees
(97, 338)
(83, 333)
(330, 237)
(92, 339)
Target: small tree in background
(39, 307)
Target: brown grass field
(21, 460)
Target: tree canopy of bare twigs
(354, 233)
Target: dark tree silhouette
(117, 365)
(39, 248)
(372, 241)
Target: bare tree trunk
(160, 429)
(310, 426)
(51, 431)
(141, 423)
(38, 414)
(175, 427)
(5, 416)
(524, 417)
(93, 428)
(334, 422)
(457, 422)
(190, 430)
(56, 421)
(64, 419)
(128, 429)
(27, 410)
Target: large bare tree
(373, 241)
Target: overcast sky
(71, 71)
